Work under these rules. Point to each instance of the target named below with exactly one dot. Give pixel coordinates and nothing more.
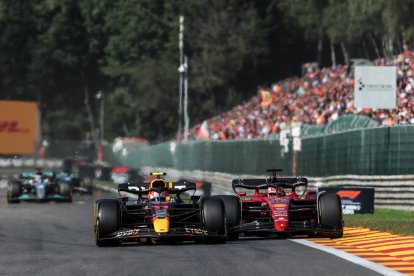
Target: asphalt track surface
(57, 239)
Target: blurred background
(193, 85)
(75, 58)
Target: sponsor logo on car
(196, 231)
(127, 233)
(161, 213)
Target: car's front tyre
(214, 220)
(330, 215)
(107, 220)
(233, 214)
(65, 190)
(88, 185)
(13, 192)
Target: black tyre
(13, 192)
(107, 220)
(233, 214)
(88, 185)
(330, 215)
(214, 220)
(65, 190)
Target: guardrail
(30, 163)
(391, 191)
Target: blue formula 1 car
(38, 186)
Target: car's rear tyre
(214, 220)
(107, 220)
(330, 215)
(65, 190)
(13, 192)
(233, 214)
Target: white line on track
(349, 257)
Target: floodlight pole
(186, 118)
(102, 117)
(181, 71)
(100, 96)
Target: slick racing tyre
(13, 192)
(65, 190)
(233, 214)
(330, 215)
(88, 184)
(214, 220)
(107, 220)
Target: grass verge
(105, 184)
(387, 220)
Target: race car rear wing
(263, 183)
(143, 188)
(29, 175)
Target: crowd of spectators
(318, 97)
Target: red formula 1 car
(283, 206)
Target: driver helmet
(271, 191)
(37, 177)
(155, 196)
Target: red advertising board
(19, 123)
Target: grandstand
(319, 97)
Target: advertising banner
(375, 87)
(19, 123)
(355, 200)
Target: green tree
(399, 24)
(224, 39)
(64, 65)
(17, 25)
(308, 14)
(364, 23)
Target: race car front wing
(146, 232)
